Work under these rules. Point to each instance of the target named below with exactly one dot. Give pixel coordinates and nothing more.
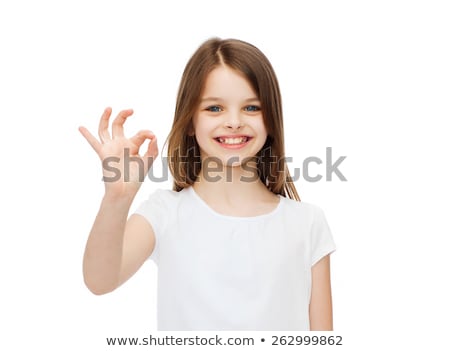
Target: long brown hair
(183, 150)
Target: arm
(116, 248)
(320, 307)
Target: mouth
(233, 140)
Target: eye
(214, 108)
(252, 108)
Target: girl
(234, 246)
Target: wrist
(118, 199)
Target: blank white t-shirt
(218, 272)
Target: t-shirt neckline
(194, 194)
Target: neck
(233, 184)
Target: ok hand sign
(122, 178)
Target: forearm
(103, 253)
(320, 308)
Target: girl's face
(228, 124)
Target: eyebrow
(213, 98)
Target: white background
(370, 79)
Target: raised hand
(124, 169)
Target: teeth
(233, 140)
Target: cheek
(260, 128)
(262, 133)
(202, 131)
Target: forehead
(228, 84)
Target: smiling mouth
(233, 141)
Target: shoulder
(301, 213)
(166, 195)
(302, 208)
(160, 206)
(159, 201)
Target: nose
(234, 120)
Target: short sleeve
(322, 242)
(155, 211)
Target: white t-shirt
(218, 272)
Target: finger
(151, 154)
(117, 126)
(141, 136)
(90, 139)
(103, 132)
